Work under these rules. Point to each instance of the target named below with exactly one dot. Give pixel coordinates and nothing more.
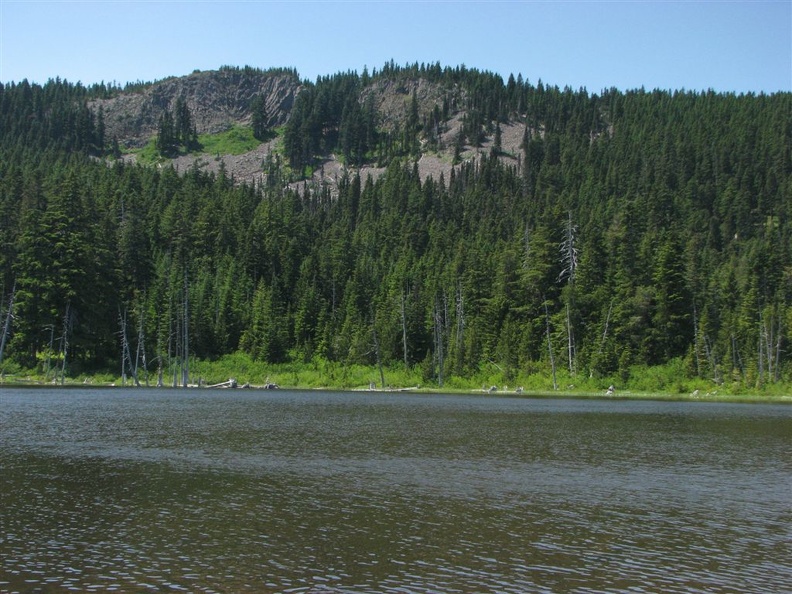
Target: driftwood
(232, 383)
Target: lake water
(287, 491)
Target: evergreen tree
(167, 136)
(259, 118)
(680, 212)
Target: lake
(136, 490)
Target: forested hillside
(629, 229)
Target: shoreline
(619, 395)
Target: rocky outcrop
(393, 98)
(216, 99)
(220, 99)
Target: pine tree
(259, 118)
(167, 136)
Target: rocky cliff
(220, 99)
(216, 99)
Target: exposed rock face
(219, 99)
(216, 99)
(393, 99)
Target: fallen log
(231, 383)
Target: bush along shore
(239, 371)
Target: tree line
(635, 228)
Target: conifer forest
(632, 229)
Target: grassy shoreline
(656, 383)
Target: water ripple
(343, 493)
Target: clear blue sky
(738, 46)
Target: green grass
(148, 155)
(662, 382)
(667, 382)
(235, 141)
(315, 374)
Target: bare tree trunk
(186, 329)
(126, 353)
(696, 340)
(569, 258)
(160, 372)
(438, 336)
(49, 352)
(711, 359)
(602, 341)
(550, 346)
(377, 350)
(607, 323)
(703, 342)
(404, 330)
(122, 323)
(67, 326)
(173, 349)
(766, 332)
(141, 349)
(132, 367)
(570, 342)
(737, 357)
(760, 359)
(779, 334)
(7, 322)
(772, 334)
(460, 325)
(445, 336)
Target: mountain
(438, 219)
(220, 100)
(217, 100)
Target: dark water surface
(237, 491)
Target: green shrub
(237, 140)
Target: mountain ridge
(217, 99)
(220, 99)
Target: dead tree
(696, 347)
(179, 337)
(126, 354)
(404, 330)
(185, 365)
(550, 346)
(50, 351)
(124, 344)
(68, 324)
(605, 330)
(439, 339)
(737, 362)
(9, 315)
(569, 259)
(769, 347)
(141, 349)
(460, 325)
(377, 348)
(709, 352)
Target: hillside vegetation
(438, 220)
